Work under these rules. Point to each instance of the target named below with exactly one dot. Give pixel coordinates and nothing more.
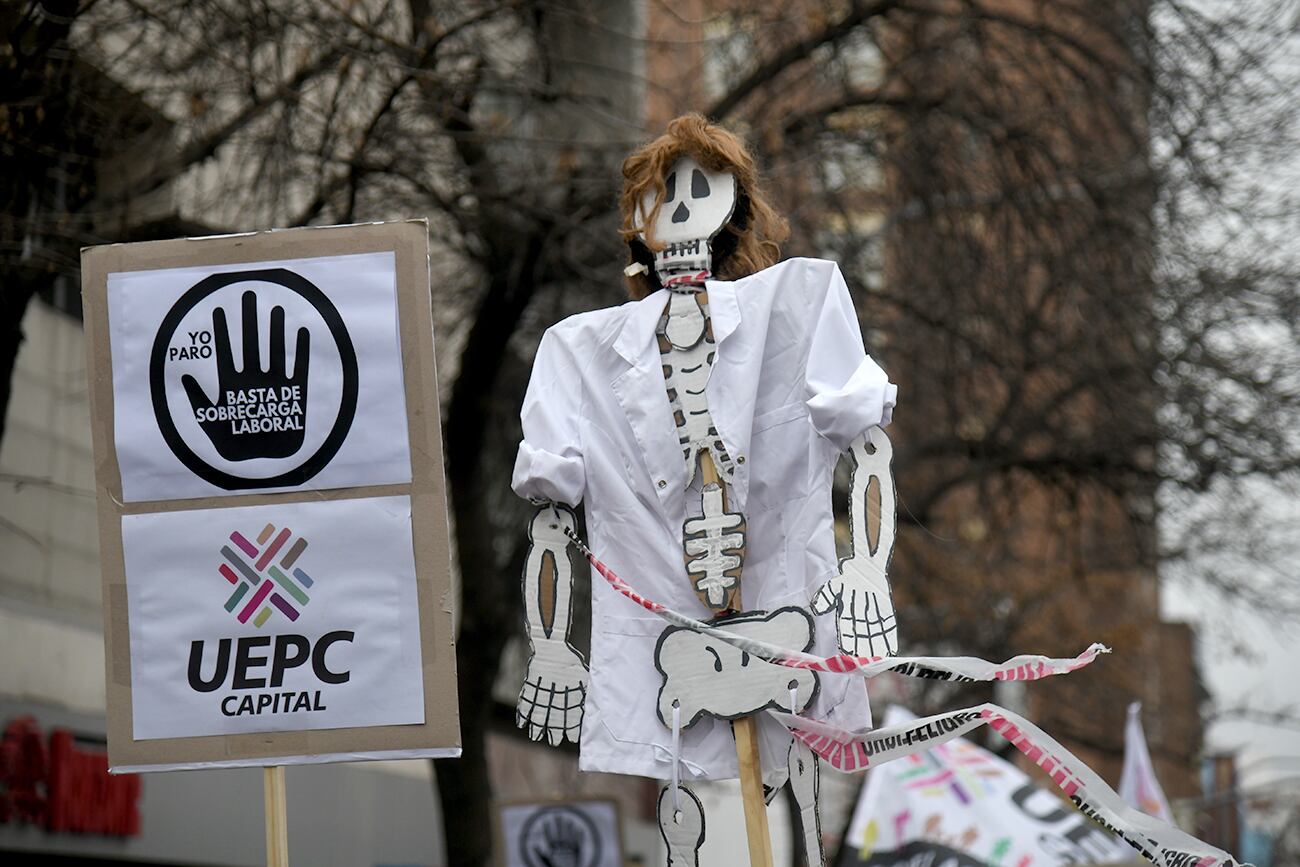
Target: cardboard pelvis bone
(706, 677)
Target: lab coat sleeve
(549, 465)
(847, 391)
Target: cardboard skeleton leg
(681, 823)
(802, 764)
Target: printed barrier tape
(955, 668)
(1159, 842)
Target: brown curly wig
(749, 242)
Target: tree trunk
(489, 600)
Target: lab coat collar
(639, 326)
(724, 310)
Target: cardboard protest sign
(271, 503)
(577, 833)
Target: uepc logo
(267, 579)
(246, 402)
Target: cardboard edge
(275, 761)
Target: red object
(61, 786)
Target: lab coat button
(740, 460)
(663, 483)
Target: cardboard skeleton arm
(555, 688)
(859, 595)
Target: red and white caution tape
(1160, 842)
(955, 668)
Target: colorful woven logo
(958, 767)
(273, 585)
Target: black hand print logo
(258, 413)
(560, 836)
(254, 413)
(562, 844)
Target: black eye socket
(699, 185)
(717, 660)
(670, 187)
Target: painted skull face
(697, 203)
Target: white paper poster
(572, 834)
(269, 376)
(273, 618)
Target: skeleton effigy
(699, 425)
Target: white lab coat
(791, 388)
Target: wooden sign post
(277, 824)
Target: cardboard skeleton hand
(555, 687)
(859, 595)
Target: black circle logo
(259, 413)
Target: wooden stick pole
(277, 825)
(751, 792)
(746, 734)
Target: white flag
(1138, 784)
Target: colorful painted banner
(956, 668)
(1157, 841)
(957, 804)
